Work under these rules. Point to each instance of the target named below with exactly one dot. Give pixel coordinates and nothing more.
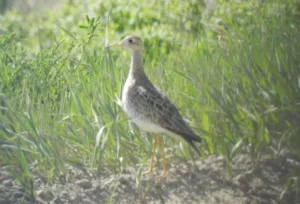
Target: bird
(148, 107)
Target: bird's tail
(191, 143)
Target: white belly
(147, 126)
(140, 120)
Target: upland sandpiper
(148, 107)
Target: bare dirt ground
(207, 181)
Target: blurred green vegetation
(232, 68)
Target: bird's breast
(135, 110)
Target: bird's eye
(130, 41)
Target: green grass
(238, 85)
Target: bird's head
(132, 43)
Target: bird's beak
(114, 45)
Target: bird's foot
(148, 172)
(164, 174)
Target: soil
(205, 181)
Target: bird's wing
(167, 116)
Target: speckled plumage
(146, 105)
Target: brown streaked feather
(166, 115)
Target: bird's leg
(162, 151)
(155, 142)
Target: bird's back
(152, 111)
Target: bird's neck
(136, 66)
